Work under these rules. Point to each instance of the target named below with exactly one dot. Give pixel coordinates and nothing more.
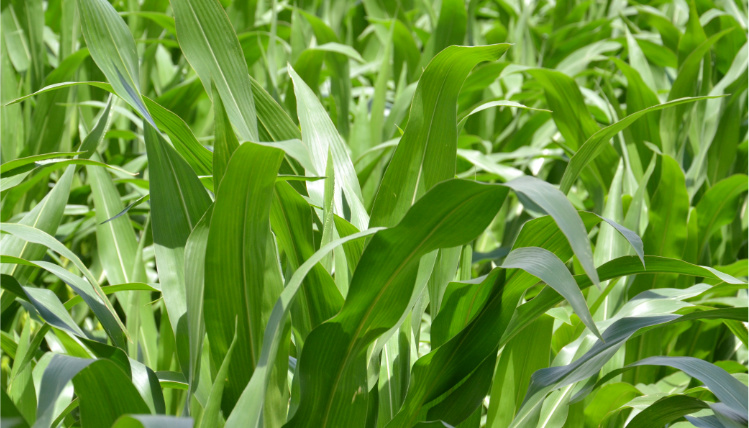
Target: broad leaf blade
(236, 281)
(212, 48)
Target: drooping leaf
(546, 380)
(94, 380)
(667, 410)
(729, 390)
(544, 265)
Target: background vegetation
(374, 213)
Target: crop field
(373, 213)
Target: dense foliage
(374, 214)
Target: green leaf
(94, 380)
(595, 144)
(666, 411)
(547, 380)
(450, 29)
(574, 121)
(426, 153)
(547, 267)
(90, 287)
(16, 43)
(117, 245)
(46, 217)
(10, 413)
(18, 163)
(517, 362)
(623, 266)
(339, 68)
(94, 138)
(320, 135)
(464, 402)
(152, 421)
(113, 49)
(568, 106)
(225, 142)
(251, 402)
(693, 36)
(116, 240)
(436, 373)
(50, 114)
(718, 206)
(194, 263)
(239, 270)
(211, 415)
(178, 201)
(333, 358)
(560, 209)
(291, 220)
(17, 176)
(210, 45)
(131, 286)
(52, 310)
(497, 103)
(21, 385)
(182, 138)
(666, 234)
(729, 390)
(639, 97)
(164, 20)
(61, 370)
(180, 134)
(56, 86)
(274, 124)
(607, 399)
(445, 266)
(30, 16)
(142, 199)
(685, 85)
(102, 381)
(632, 238)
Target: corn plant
(235, 213)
